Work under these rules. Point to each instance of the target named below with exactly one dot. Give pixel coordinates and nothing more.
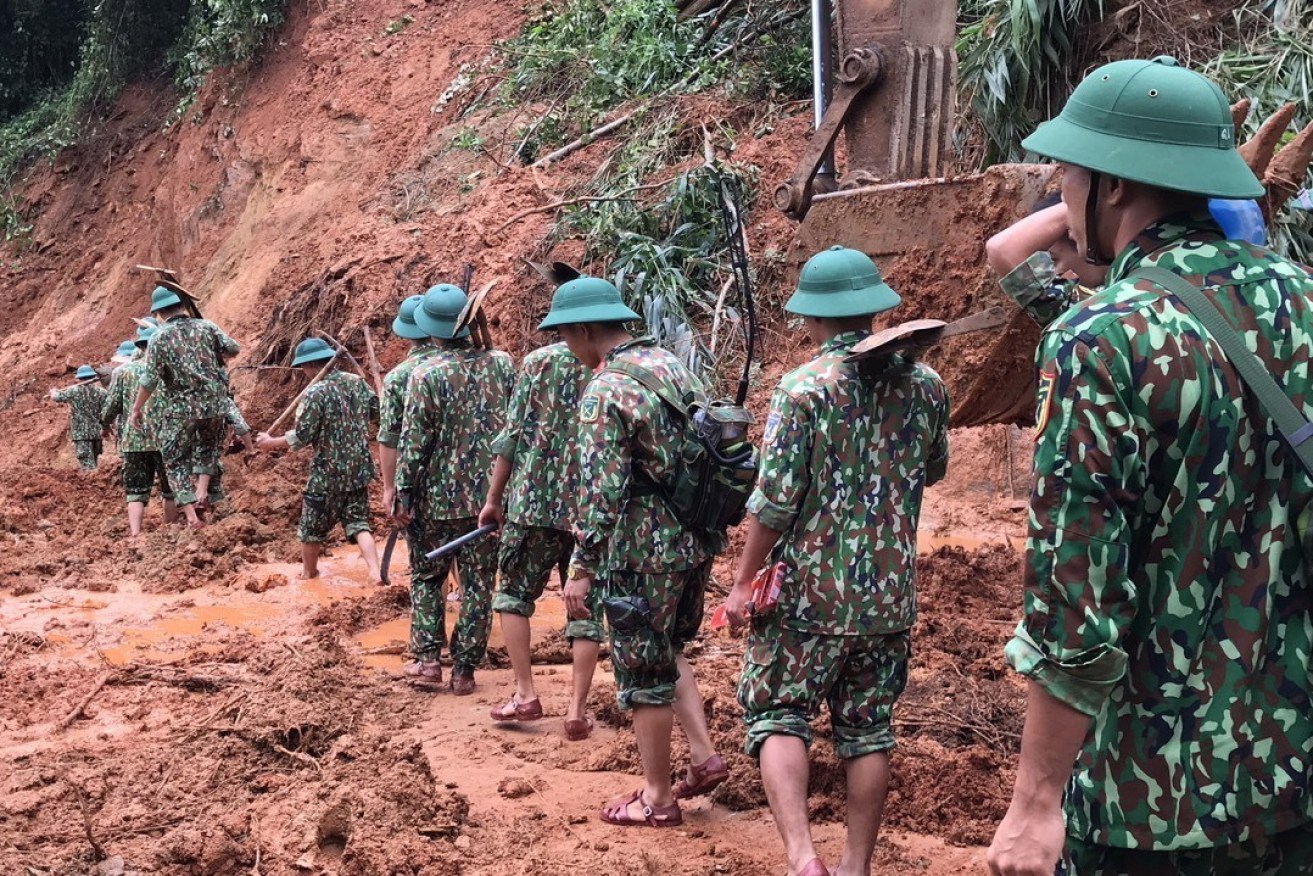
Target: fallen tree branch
(86, 701)
(576, 145)
(96, 847)
(582, 199)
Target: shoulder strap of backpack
(652, 382)
(1293, 426)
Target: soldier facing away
(142, 463)
(393, 402)
(537, 460)
(185, 365)
(333, 418)
(846, 455)
(84, 400)
(455, 404)
(652, 570)
(1167, 611)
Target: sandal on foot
(462, 681)
(423, 673)
(514, 710)
(702, 778)
(814, 868)
(617, 813)
(578, 729)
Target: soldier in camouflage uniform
(142, 463)
(333, 418)
(536, 457)
(209, 459)
(1166, 627)
(185, 364)
(1038, 264)
(846, 455)
(393, 403)
(651, 569)
(85, 400)
(455, 405)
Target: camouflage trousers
(525, 561)
(476, 566)
(140, 472)
(1289, 853)
(88, 452)
(787, 674)
(651, 618)
(320, 513)
(210, 437)
(183, 447)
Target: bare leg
(189, 511)
(170, 511)
(203, 487)
(652, 726)
(583, 659)
(515, 631)
(784, 773)
(309, 560)
(136, 513)
(369, 551)
(692, 713)
(868, 782)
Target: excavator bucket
(892, 97)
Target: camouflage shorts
(1289, 853)
(140, 472)
(651, 618)
(183, 447)
(787, 674)
(87, 452)
(525, 561)
(319, 513)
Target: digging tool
(341, 351)
(168, 278)
(301, 395)
(923, 333)
(458, 543)
(736, 238)
(556, 273)
(373, 364)
(473, 318)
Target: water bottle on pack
(1240, 220)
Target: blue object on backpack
(1240, 220)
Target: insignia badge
(589, 409)
(1044, 401)
(772, 426)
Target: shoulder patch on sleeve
(589, 408)
(772, 426)
(1044, 401)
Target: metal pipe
(822, 76)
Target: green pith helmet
(86, 372)
(1152, 122)
(127, 348)
(437, 314)
(587, 299)
(312, 350)
(144, 334)
(840, 282)
(162, 298)
(404, 325)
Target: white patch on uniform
(589, 408)
(772, 426)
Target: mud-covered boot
(462, 681)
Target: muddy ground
(241, 721)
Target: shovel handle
(458, 543)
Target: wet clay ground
(245, 722)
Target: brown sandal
(617, 813)
(702, 778)
(514, 710)
(423, 674)
(579, 729)
(814, 868)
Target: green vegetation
(397, 25)
(64, 61)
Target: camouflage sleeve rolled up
(309, 422)
(227, 345)
(1079, 601)
(1036, 287)
(235, 419)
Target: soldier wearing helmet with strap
(1166, 626)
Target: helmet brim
(866, 301)
(408, 330)
(313, 356)
(1197, 170)
(442, 328)
(589, 313)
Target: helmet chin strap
(1093, 252)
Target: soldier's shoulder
(545, 357)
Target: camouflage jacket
(455, 405)
(184, 364)
(625, 428)
(123, 386)
(539, 438)
(85, 402)
(394, 392)
(1165, 593)
(844, 461)
(233, 417)
(1040, 291)
(334, 418)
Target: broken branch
(583, 199)
(86, 701)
